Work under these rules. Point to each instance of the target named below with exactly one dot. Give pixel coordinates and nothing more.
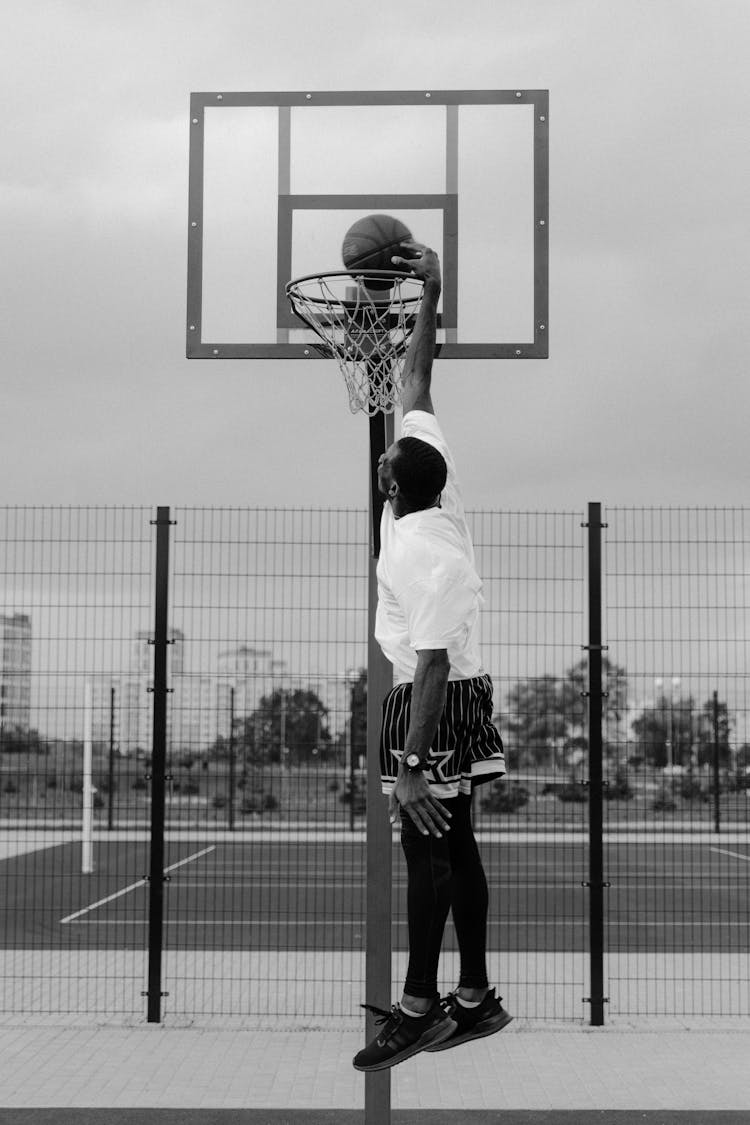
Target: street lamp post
(352, 677)
(675, 683)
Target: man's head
(412, 472)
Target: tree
(18, 740)
(358, 716)
(666, 732)
(534, 719)
(650, 730)
(614, 704)
(705, 735)
(547, 716)
(288, 726)
(743, 757)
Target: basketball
(370, 243)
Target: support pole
(349, 770)
(596, 811)
(715, 763)
(111, 774)
(379, 682)
(87, 818)
(231, 760)
(158, 767)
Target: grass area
(50, 788)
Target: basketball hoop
(366, 330)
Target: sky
(645, 398)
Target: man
(437, 739)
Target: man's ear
(393, 490)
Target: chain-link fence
(262, 913)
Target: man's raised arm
(417, 375)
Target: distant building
(198, 705)
(191, 714)
(191, 703)
(252, 673)
(15, 672)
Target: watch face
(412, 761)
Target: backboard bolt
(542, 223)
(220, 97)
(519, 94)
(542, 117)
(518, 351)
(193, 224)
(308, 97)
(215, 351)
(307, 351)
(192, 328)
(195, 121)
(542, 327)
(428, 95)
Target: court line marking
(733, 833)
(133, 886)
(205, 851)
(680, 924)
(735, 855)
(627, 882)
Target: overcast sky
(645, 398)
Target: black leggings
(445, 874)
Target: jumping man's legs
(445, 873)
(469, 902)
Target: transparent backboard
(276, 180)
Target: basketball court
(270, 928)
(272, 902)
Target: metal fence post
(111, 772)
(232, 781)
(596, 882)
(715, 763)
(158, 766)
(379, 681)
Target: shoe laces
(449, 1002)
(391, 1019)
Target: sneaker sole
(441, 1032)
(475, 1033)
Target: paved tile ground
(357, 1117)
(526, 1067)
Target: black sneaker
(472, 1023)
(403, 1036)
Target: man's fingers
(424, 827)
(431, 815)
(400, 260)
(426, 819)
(439, 807)
(415, 249)
(441, 814)
(425, 810)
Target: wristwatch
(414, 763)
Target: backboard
(276, 180)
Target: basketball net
(367, 330)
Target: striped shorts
(467, 749)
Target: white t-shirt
(429, 592)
